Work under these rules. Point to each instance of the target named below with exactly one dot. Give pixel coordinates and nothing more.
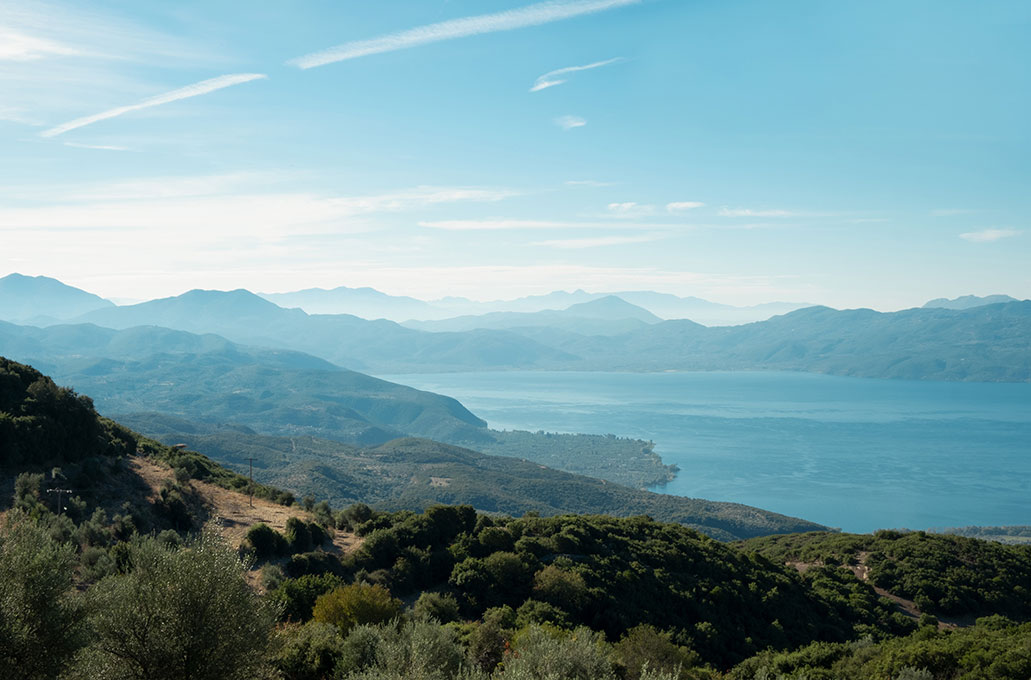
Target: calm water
(847, 452)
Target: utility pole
(250, 461)
(60, 493)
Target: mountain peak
(25, 298)
(968, 301)
(611, 307)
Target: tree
(351, 605)
(39, 619)
(178, 613)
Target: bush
(185, 613)
(266, 542)
(351, 605)
(442, 608)
(39, 623)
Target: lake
(853, 453)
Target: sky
(873, 154)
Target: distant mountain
(367, 303)
(343, 339)
(42, 299)
(210, 379)
(607, 315)
(968, 301)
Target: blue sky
(853, 154)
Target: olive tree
(178, 613)
(40, 622)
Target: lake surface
(853, 453)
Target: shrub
(351, 605)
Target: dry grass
(236, 512)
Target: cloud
(570, 122)
(231, 208)
(551, 78)
(16, 114)
(194, 90)
(531, 15)
(630, 209)
(102, 147)
(746, 212)
(596, 242)
(949, 212)
(499, 224)
(681, 206)
(16, 46)
(588, 183)
(988, 235)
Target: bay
(853, 453)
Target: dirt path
(907, 607)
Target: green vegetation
(187, 377)
(630, 462)
(1010, 534)
(453, 594)
(414, 474)
(943, 574)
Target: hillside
(287, 393)
(150, 368)
(486, 597)
(417, 473)
(51, 437)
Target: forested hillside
(449, 593)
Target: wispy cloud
(949, 212)
(194, 90)
(596, 242)
(588, 183)
(16, 114)
(15, 46)
(99, 147)
(531, 15)
(747, 212)
(570, 122)
(629, 209)
(236, 206)
(988, 235)
(682, 206)
(498, 225)
(553, 78)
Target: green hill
(417, 473)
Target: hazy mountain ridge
(372, 304)
(40, 298)
(287, 393)
(984, 343)
(968, 301)
(151, 368)
(607, 315)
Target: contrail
(549, 79)
(531, 15)
(203, 87)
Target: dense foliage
(453, 594)
(415, 474)
(945, 575)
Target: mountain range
(982, 343)
(372, 304)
